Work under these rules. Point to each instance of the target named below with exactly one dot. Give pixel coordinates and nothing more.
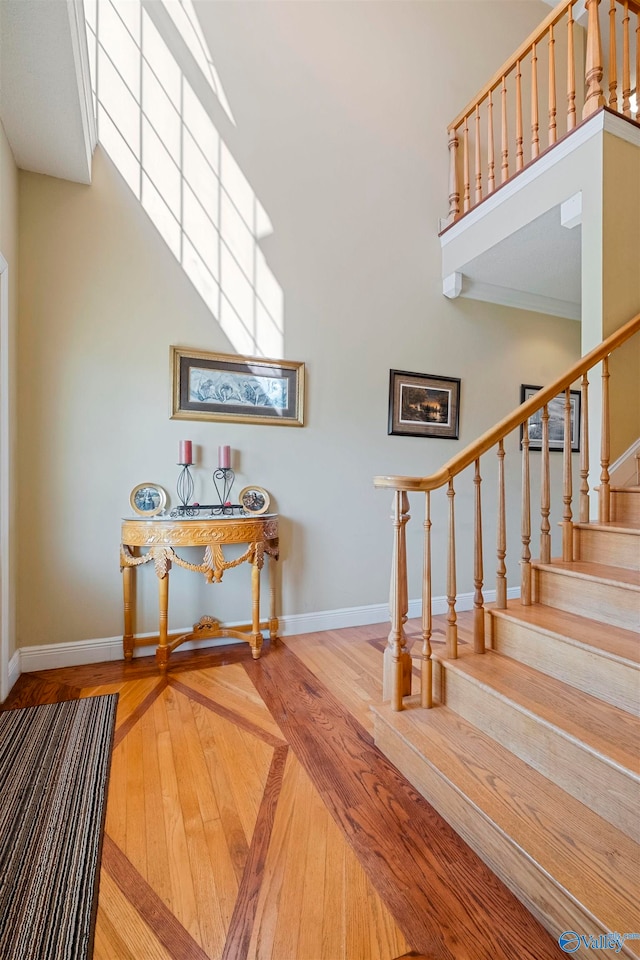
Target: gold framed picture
(221, 386)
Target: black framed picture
(556, 420)
(423, 405)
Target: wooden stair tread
(597, 864)
(612, 526)
(609, 641)
(587, 570)
(608, 731)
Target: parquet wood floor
(250, 817)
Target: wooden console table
(162, 536)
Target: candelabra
(184, 489)
(226, 478)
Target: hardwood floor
(251, 816)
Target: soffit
(45, 99)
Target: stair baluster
(535, 137)
(505, 134)
(478, 157)
(604, 502)
(545, 491)
(501, 573)
(525, 569)
(626, 71)
(491, 163)
(478, 568)
(552, 88)
(567, 482)
(426, 685)
(466, 197)
(452, 629)
(613, 53)
(584, 450)
(519, 134)
(571, 73)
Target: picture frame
(148, 499)
(235, 388)
(556, 420)
(423, 405)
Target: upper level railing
(397, 675)
(534, 74)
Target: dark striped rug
(54, 769)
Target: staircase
(531, 751)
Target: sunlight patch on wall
(168, 150)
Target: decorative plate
(148, 499)
(254, 499)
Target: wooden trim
(520, 415)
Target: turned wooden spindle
(501, 573)
(505, 134)
(397, 662)
(567, 483)
(426, 686)
(613, 54)
(638, 66)
(604, 500)
(535, 126)
(491, 163)
(626, 66)
(452, 628)
(545, 491)
(466, 199)
(584, 450)
(525, 569)
(552, 88)
(571, 73)
(593, 65)
(519, 134)
(478, 157)
(478, 571)
(454, 189)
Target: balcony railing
(479, 164)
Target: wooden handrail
(549, 21)
(514, 419)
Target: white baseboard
(50, 656)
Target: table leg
(127, 586)
(273, 620)
(162, 652)
(255, 638)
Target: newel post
(396, 681)
(593, 65)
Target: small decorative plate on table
(254, 499)
(148, 499)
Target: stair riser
(625, 506)
(565, 761)
(607, 546)
(547, 900)
(605, 602)
(610, 680)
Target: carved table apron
(161, 536)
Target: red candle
(186, 455)
(224, 458)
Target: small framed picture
(220, 386)
(423, 405)
(148, 499)
(254, 499)
(556, 420)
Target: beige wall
(9, 250)
(341, 111)
(621, 284)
